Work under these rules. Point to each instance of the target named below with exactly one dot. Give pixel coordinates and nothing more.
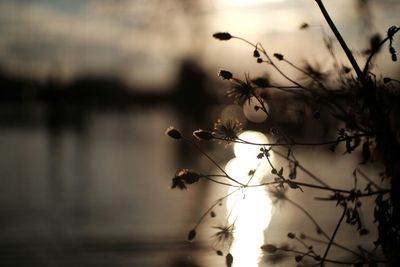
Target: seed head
(203, 135)
(304, 26)
(173, 133)
(256, 53)
(224, 235)
(278, 56)
(241, 91)
(291, 235)
(298, 258)
(229, 259)
(227, 130)
(261, 82)
(191, 235)
(225, 75)
(269, 248)
(185, 177)
(387, 80)
(223, 36)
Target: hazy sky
(143, 40)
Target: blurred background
(87, 89)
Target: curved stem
(373, 52)
(309, 216)
(305, 72)
(212, 206)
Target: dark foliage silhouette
(353, 96)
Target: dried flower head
(227, 130)
(203, 135)
(223, 36)
(278, 56)
(173, 133)
(224, 236)
(225, 75)
(241, 91)
(291, 235)
(185, 177)
(229, 260)
(278, 194)
(314, 74)
(269, 248)
(262, 82)
(191, 235)
(256, 53)
(387, 80)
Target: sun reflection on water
(249, 209)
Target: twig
(342, 43)
(375, 50)
(333, 237)
(336, 245)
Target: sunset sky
(142, 41)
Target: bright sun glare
(249, 209)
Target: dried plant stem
(309, 216)
(296, 143)
(212, 160)
(271, 62)
(373, 52)
(301, 167)
(341, 41)
(213, 206)
(333, 237)
(306, 73)
(336, 245)
(313, 256)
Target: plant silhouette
(354, 96)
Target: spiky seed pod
(227, 130)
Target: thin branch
(336, 245)
(212, 160)
(368, 179)
(342, 43)
(309, 216)
(296, 143)
(311, 256)
(212, 206)
(333, 237)
(270, 61)
(301, 167)
(305, 72)
(375, 51)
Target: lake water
(96, 195)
